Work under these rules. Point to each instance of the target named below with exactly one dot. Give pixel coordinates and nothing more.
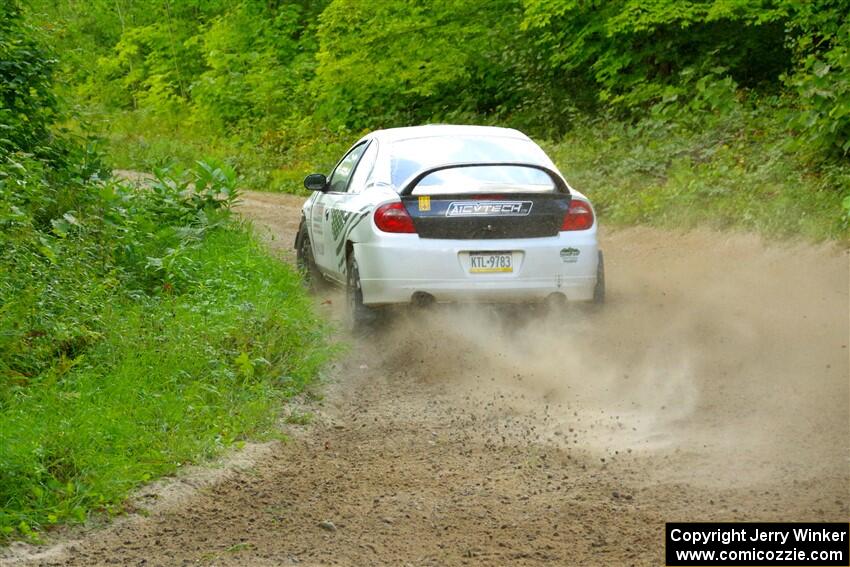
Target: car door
(328, 212)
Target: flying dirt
(714, 385)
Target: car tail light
(578, 217)
(393, 217)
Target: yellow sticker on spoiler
(424, 203)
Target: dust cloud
(730, 355)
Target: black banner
(757, 543)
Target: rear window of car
(408, 157)
(489, 179)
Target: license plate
(490, 262)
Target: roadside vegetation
(140, 328)
(732, 113)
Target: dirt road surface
(714, 385)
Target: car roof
(391, 135)
(440, 130)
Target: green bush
(395, 63)
(28, 106)
(141, 330)
(822, 80)
(730, 169)
(629, 52)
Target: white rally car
(449, 214)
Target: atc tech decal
(489, 208)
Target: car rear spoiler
(408, 187)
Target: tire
(359, 317)
(310, 274)
(599, 289)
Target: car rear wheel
(310, 274)
(359, 316)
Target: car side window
(364, 169)
(342, 174)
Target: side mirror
(316, 182)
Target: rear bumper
(395, 267)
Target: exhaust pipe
(556, 300)
(422, 299)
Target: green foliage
(27, 103)
(168, 379)
(252, 71)
(139, 330)
(629, 52)
(277, 89)
(86, 31)
(293, 148)
(385, 63)
(822, 79)
(153, 65)
(256, 67)
(726, 172)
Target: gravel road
(714, 385)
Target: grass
(173, 379)
(741, 174)
(274, 159)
